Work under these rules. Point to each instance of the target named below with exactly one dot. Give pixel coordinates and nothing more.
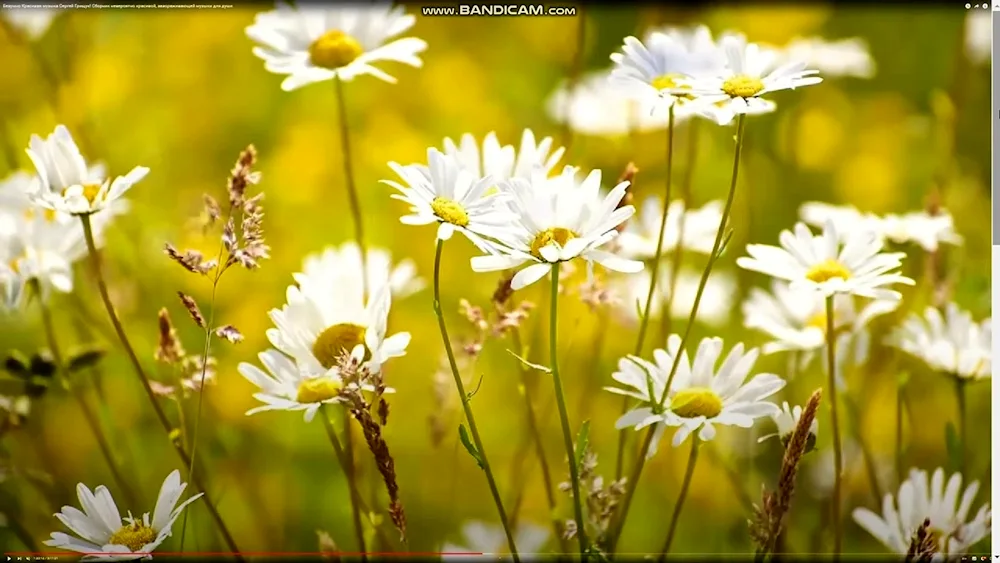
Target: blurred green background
(179, 91)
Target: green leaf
(528, 364)
(463, 435)
(725, 244)
(582, 439)
(86, 358)
(953, 445)
(639, 312)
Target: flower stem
(666, 317)
(536, 437)
(574, 474)
(899, 432)
(466, 407)
(352, 189)
(352, 484)
(653, 279)
(692, 459)
(962, 426)
(81, 400)
(161, 416)
(831, 359)
(633, 481)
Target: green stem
(692, 459)
(81, 400)
(838, 466)
(653, 279)
(161, 416)
(352, 485)
(352, 190)
(466, 407)
(535, 434)
(962, 426)
(648, 441)
(899, 433)
(666, 318)
(574, 474)
(866, 452)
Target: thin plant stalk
(633, 480)
(576, 67)
(666, 316)
(535, 434)
(352, 484)
(88, 413)
(467, 408)
(653, 279)
(838, 461)
(219, 270)
(574, 473)
(866, 452)
(161, 416)
(685, 485)
(898, 457)
(962, 426)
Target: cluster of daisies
(525, 213)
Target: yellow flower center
(695, 402)
(742, 86)
(15, 265)
(450, 211)
(133, 536)
(318, 389)
(817, 321)
(669, 82)
(334, 49)
(336, 340)
(48, 214)
(90, 191)
(557, 235)
(827, 270)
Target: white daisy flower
(66, 183)
(317, 43)
(33, 22)
(504, 162)
(746, 77)
(919, 227)
(444, 192)
(654, 71)
(841, 57)
(42, 244)
(979, 36)
(315, 326)
(696, 40)
(102, 534)
(713, 310)
(597, 107)
(786, 421)
(829, 264)
(326, 269)
(638, 241)
(919, 500)
(701, 395)
(952, 344)
(796, 318)
(491, 541)
(556, 220)
(286, 387)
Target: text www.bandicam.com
(498, 10)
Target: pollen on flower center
(450, 211)
(669, 82)
(742, 86)
(558, 235)
(133, 536)
(827, 270)
(336, 340)
(90, 191)
(318, 389)
(334, 49)
(695, 402)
